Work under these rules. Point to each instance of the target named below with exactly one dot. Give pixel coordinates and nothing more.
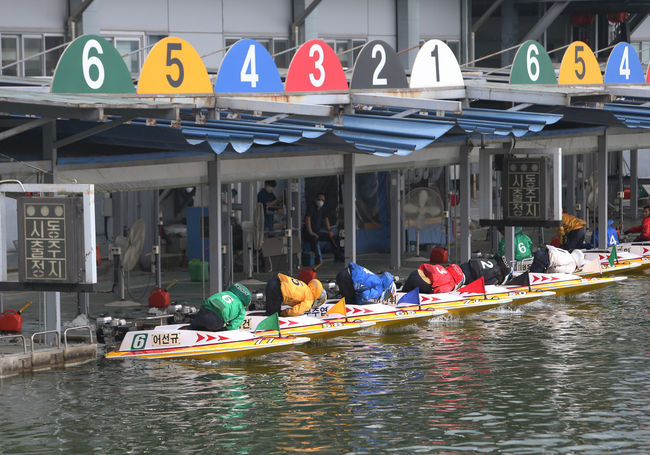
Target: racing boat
(516, 297)
(381, 314)
(174, 341)
(626, 261)
(304, 325)
(456, 305)
(564, 283)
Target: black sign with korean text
(50, 246)
(524, 190)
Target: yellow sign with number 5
(579, 66)
(174, 66)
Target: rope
(35, 55)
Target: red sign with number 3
(315, 67)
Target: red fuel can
(11, 321)
(439, 255)
(159, 298)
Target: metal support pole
(465, 192)
(602, 190)
(349, 207)
(228, 243)
(634, 183)
(557, 184)
(214, 215)
(289, 227)
(395, 220)
(52, 299)
(247, 200)
(510, 244)
(570, 179)
(620, 194)
(485, 184)
(157, 239)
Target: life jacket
(440, 279)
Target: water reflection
(555, 376)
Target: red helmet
(456, 273)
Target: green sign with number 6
(90, 64)
(532, 65)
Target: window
(52, 57)
(274, 46)
(9, 52)
(33, 55)
(128, 48)
(283, 60)
(341, 45)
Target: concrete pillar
(602, 190)
(634, 183)
(349, 207)
(214, 215)
(465, 196)
(395, 220)
(408, 30)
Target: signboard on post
(524, 195)
(50, 245)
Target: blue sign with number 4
(623, 66)
(248, 67)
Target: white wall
(642, 33)
(33, 15)
(440, 19)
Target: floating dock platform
(19, 354)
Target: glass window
(358, 44)
(151, 42)
(33, 46)
(282, 60)
(128, 49)
(52, 57)
(346, 59)
(9, 54)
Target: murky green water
(566, 375)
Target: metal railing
(81, 327)
(46, 332)
(17, 336)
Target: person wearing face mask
(268, 199)
(312, 231)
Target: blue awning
(631, 115)
(386, 136)
(380, 133)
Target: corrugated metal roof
(242, 134)
(386, 136)
(631, 115)
(379, 132)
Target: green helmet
(241, 292)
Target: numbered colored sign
(435, 65)
(624, 66)
(647, 78)
(532, 65)
(248, 67)
(579, 66)
(90, 64)
(315, 67)
(377, 66)
(174, 66)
